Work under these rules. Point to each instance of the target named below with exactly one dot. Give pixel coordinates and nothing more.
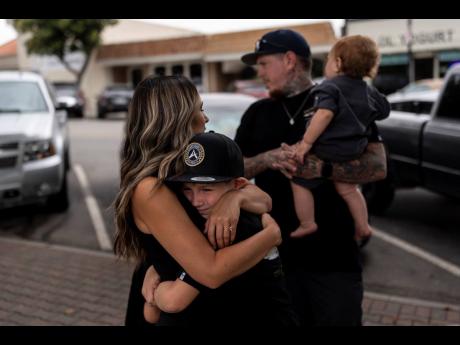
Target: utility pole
(411, 65)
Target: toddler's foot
(304, 230)
(363, 233)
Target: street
(428, 221)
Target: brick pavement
(45, 284)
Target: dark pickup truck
(423, 149)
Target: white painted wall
(391, 34)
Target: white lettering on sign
(419, 38)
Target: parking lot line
(414, 250)
(93, 208)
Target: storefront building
(132, 50)
(428, 46)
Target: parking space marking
(414, 250)
(93, 208)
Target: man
(323, 270)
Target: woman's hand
(151, 281)
(223, 220)
(270, 224)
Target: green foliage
(60, 36)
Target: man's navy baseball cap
(210, 158)
(278, 41)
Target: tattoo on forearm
(371, 166)
(253, 166)
(310, 169)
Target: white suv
(34, 144)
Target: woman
(154, 225)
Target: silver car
(225, 110)
(34, 144)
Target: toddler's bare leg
(305, 210)
(357, 205)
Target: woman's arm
(174, 296)
(226, 212)
(163, 216)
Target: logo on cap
(194, 154)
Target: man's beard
(277, 94)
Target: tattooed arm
(370, 167)
(267, 160)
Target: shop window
(317, 68)
(177, 70)
(447, 59)
(136, 76)
(423, 68)
(391, 78)
(196, 73)
(159, 71)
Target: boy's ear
(240, 182)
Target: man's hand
(151, 281)
(283, 159)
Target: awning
(395, 59)
(453, 55)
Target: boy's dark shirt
(258, 296)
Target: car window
(21, 97)
(450, 102)
(65, 91)
(225, 115)
(417, 107)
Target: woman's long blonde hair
(158, 129)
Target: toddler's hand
(301, 150)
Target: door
(441, 141)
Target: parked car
(423, 149)
(115, 98)
(418, 97)
(70, 98)
(34, 143)
(420, 102)
(249, 87)
(224, 111)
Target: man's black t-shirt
(332, 248)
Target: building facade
(427, 46)
(131, 50)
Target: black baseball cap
(278, 41)
(210, 158)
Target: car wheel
(67, 160)
(379, 195)
(60, 202)
(79, 114)
(100, 114)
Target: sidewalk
(45, 284)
